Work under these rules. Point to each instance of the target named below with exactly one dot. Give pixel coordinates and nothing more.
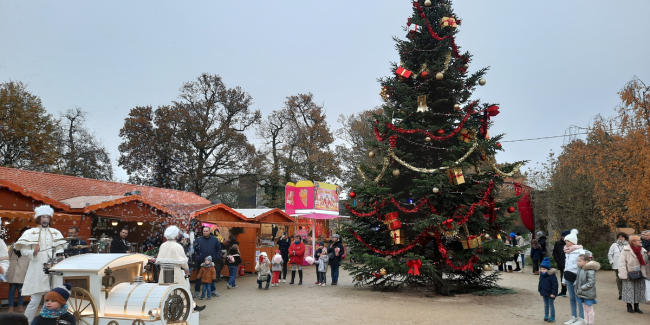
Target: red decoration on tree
(439, 138)
(422, 239)
(441, 132)
(511, 209)
(499, 144)
(352, 195)
(445, 256)
(393, 141)
(463, 219)
(449, 223)
(424, 74)
(454, 47)
(377, 275)
(414, 267)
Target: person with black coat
(232, 261)
(119, 244)
(541, 239)
(336, 252)
(560, 258)
(283, 245)
(547, 288)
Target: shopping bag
(519, 258)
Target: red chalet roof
(61, 187)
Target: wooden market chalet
(100, 209)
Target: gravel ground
(345, 304)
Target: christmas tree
(428, 212)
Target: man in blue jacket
(204, 246)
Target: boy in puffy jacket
(547, 288)
(206, 275)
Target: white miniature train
(112, 289)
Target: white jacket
(614, 254)
(571, 262)
(4, 257)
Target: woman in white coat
(171, 252)
(614, 254)
(572, 250)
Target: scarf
(637, 252)
(569, 249)
(621, 243)
(54, 313)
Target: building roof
(62, 187)
(17, 188)
(259, 214)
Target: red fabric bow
(414, 267)
(377, 275)
(448, 223)
(493, 110)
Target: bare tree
(80, 153)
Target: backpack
(231, 259)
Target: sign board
(306, 197)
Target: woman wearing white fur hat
(4, 254)
(39, 244)
(173, 253)
(572, 251)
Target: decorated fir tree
(428, 211)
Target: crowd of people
(628, 257)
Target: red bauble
(441, 131)
(352, 195)
(511, 209)
(499, 144)
(424, 74)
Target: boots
(300, 274)
(259, 284)
(267, 285)
(629, 308)
(293, 276)
(636, 309)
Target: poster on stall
(326, 197)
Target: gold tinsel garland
(363, 175)
(423, 170)
(447, 60)
(494, 167)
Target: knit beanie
(513, 235)
(209, 258)
(540, 234)
(546, 263)
(566, 232)
(572, 237)
(60, 294)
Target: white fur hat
(43, 210)
(172, 232)
(572, 237)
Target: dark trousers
(335, 273)
(517, 262)
(535, 265)
(285, 261)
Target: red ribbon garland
(436, 36)
(380, 137)
(414, 267)
(431, 135)
(465, 218)
(423, 238)
(376, 207)
(417, 208)
(443, 251)
(489, 112)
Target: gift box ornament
(401, 72)
(396, 235)
(456, 176)
(471, 242)
(448, 22)
(466, 135)
(392, 222)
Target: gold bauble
(436, 190)
(456, 106)
(427, 3)
(466, 65)
(487, 267)
(359, 279)
(482, 81)
(439, 76)
(396, 172)
(371, 154)
(383, 272)
(427, 139)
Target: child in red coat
(296, 257)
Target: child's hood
(593, 265)
(207, 265)
(551, 272)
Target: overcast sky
(553, 63)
